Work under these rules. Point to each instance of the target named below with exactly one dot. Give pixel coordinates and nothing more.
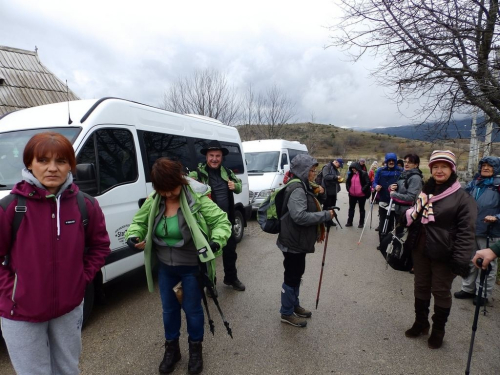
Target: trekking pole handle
(479, 263)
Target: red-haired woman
(177, 227)
(45, 269)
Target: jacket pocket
(14, 288)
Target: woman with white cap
(442, 223)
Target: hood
(493, 161)
(391, 156)
(301, 164)
(356, 166)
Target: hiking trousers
(46, 348)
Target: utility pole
(489, 126)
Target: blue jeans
(168, 277)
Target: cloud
(136, 52)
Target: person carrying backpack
(384, 178)
(46, 266)
(331, 181)
(409, 185)
(302, 225)
(484, 188)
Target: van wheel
(239, 225)
(88, 302)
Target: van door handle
(141, 202)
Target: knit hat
(341, 162)
(445, 156)
(362, 160)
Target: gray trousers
(47, 348)
(471, 283)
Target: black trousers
(352, 206)
(295, 265)
(330, 201)
(229, 257)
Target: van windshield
(12, 148)
(260, 162)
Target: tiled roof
(25, 82)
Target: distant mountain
(429, 132)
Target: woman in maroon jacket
(45, 269)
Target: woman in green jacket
(179, 226)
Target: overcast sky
(107, 48)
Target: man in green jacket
(223, 183)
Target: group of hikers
(186, 223)
(446, 224)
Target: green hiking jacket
(206, 221)
(203, 176)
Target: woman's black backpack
(396, 249)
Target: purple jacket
(48, 268)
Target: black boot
(439, 320)
(195, 365)
(361, 219)
(421, 325)
(171, 357)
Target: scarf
(481, 186)
(423, 205)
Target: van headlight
(265, 193)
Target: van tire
(239, 225)
(88, 302)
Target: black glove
(214, 246)
(132, 241)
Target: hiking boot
(195, 364)
(171, 357)
(293, 320)
(301, 312)
(377, 228)
(236, 284)
(349, 224)
(464, 295)
(360, 225)
(482, 301)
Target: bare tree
(273, 110)
(439, 53)
(206, 93)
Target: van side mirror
(286, 168)
(86, 179)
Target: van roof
(272, 145)
(114, 111)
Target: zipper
(14, 294)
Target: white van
(116, 143)
(267, 162)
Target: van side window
(233, 160)
(293, 153)
(112, 151)
(284, 161)
(159, 145)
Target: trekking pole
(482, 277)
(324, 256)
(371, 209)
(387, 217)
(204, 298)
(364, 225)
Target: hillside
(326, 142)
(430, 132)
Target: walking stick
(387, 217)
(371, 213)
(371, 208)
(324, 255)
(482, 277)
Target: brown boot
(439, 320)
(171, 357)
(421, 325)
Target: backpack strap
(19, 210)
(80, 198)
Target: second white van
(267, 162)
